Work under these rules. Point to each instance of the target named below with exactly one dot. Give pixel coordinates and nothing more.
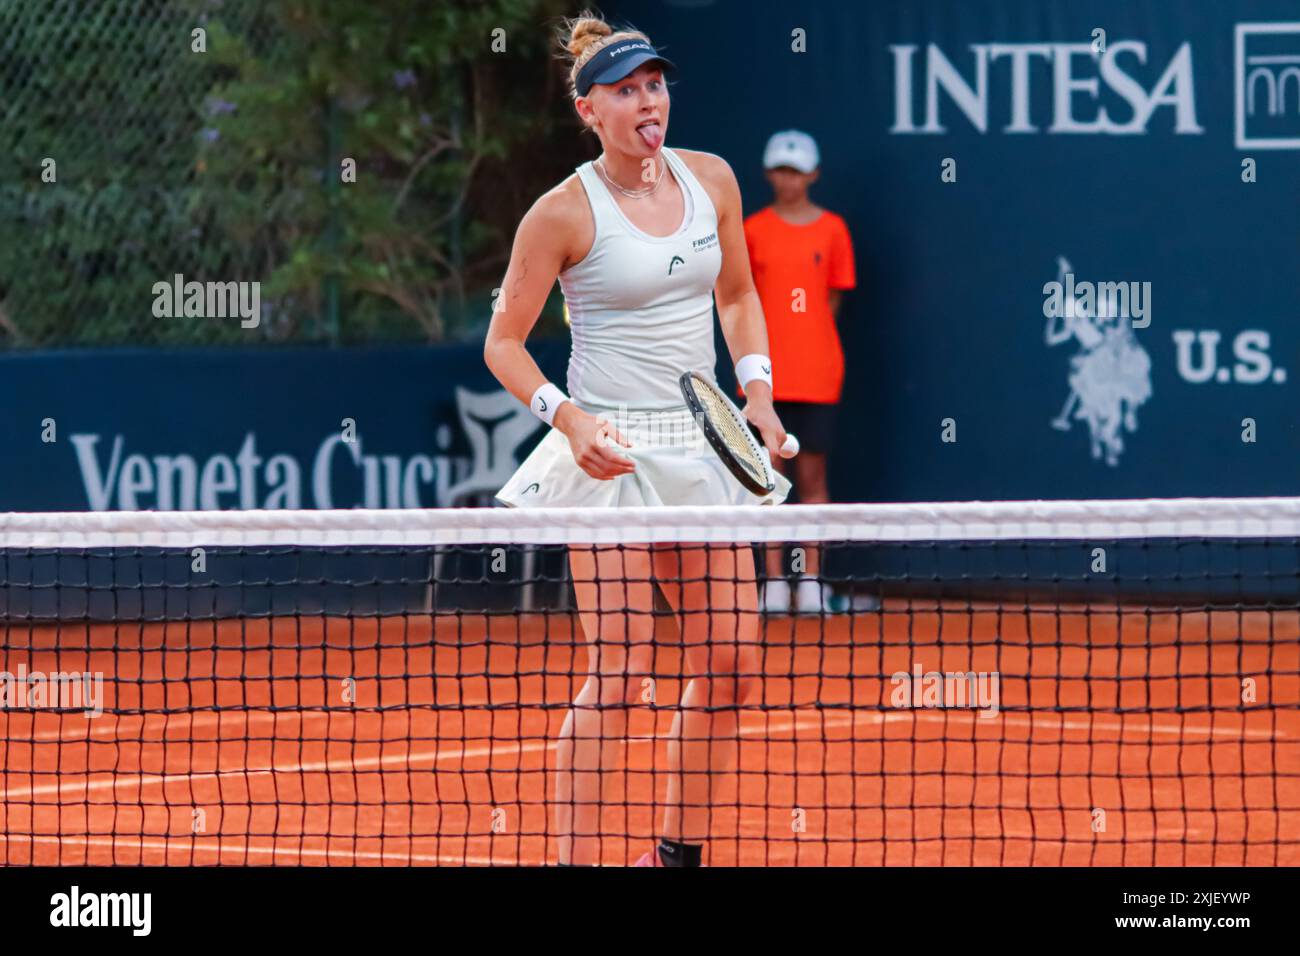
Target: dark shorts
(813, 424)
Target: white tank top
(641, 306)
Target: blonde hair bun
(584, 31)
(584, 36)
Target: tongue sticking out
(653, 134)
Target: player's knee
(609, 690)
(732, 674)
(746, 689)
(747, 674)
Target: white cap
(792, 148)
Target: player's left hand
(760, 413)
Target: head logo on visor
(614, 62)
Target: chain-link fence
(354, 158)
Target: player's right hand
(591, 440)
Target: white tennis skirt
(674, 466)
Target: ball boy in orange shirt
(802, 259)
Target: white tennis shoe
(776, 596)
(812, 596)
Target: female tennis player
(644, 240)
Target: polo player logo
(675, 261)
(1110, 375)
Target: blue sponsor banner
(259, 428)
(410, 427)
(981, 150)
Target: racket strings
(734, 432)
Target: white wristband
(754, 366)
(546, 401)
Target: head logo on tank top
(675, 261)
(533, 487)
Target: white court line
(498, 748)
(222, 849)
(109, 731)
(354, 764)
(759, 831)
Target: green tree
(227, 164)
(110, 93)
(407, 94)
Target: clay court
(230, 742)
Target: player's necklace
(629, 193)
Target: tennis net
(1017, 683)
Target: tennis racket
(730, 434)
